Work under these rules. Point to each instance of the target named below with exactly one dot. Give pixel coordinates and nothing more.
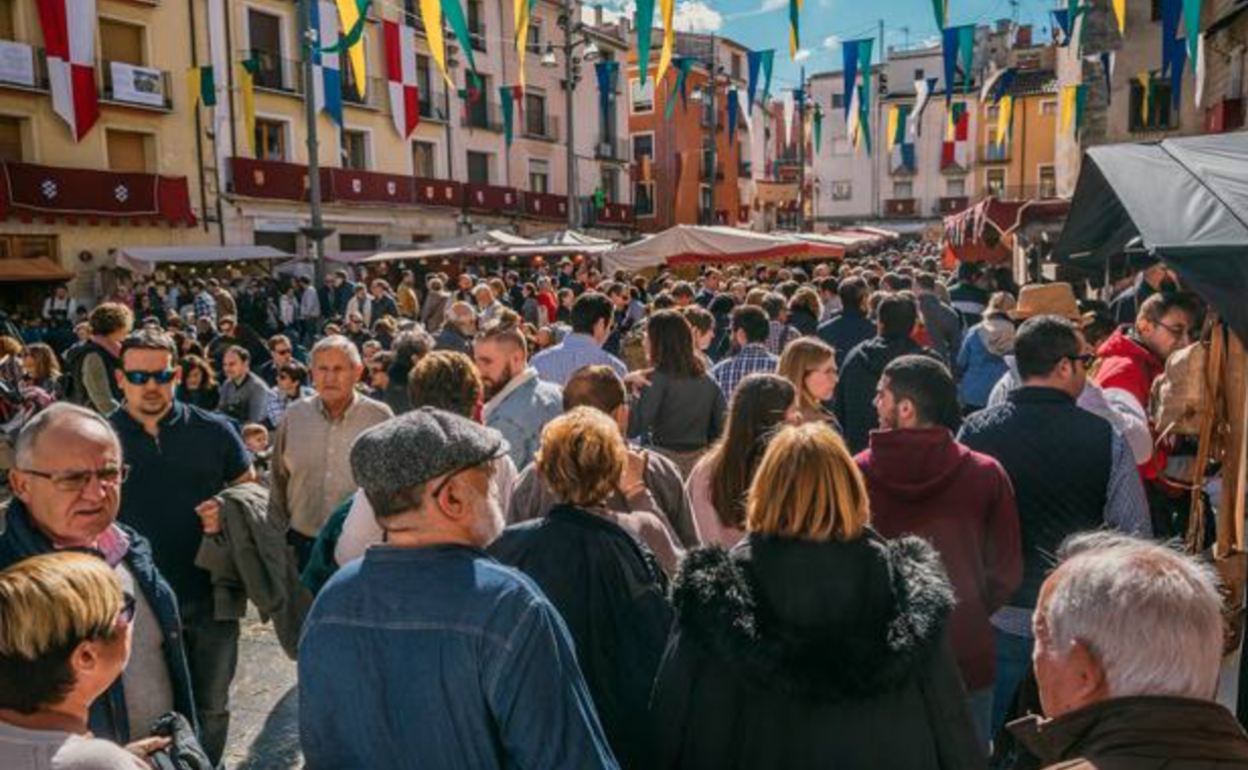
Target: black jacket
(794, 654)
(611, 593)
(854, 401)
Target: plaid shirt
(781, 334)
(753, 359)
(275, 409)
(205, 306)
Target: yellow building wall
(1031, 146)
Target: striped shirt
(752, 359)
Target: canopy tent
(144, 260)
(473, 244)
(850, 241)
(574, 238)
(986, 231)
(32, 270)
(690, 244)
(1185, 200)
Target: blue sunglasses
(163, 377)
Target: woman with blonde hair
(596, 568)
(810, 364)
(828, 641)
(43, 370)
(64, 639)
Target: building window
(1160, 115)
(11, 138)
(643, 189)
(478, 167)
(706, 204)
(842, 191)
(955, 188)
(643, 146)
(7, 27)
(423, 165)
(355, 149)
(1048, 108)
(121, 42)
(643, 199)
(535, 36)
(1048, 182)
(838, 101)
(539, 176)
(919, 73)
(994, 182)
(129, 151)
(903, 190)
(358, 242)
(535, 115)
(479, 108)
(476, 25)
(736, 66)
(270, 140)
(610, 183)
(264, 34)
(1154, 10)
(642, 97)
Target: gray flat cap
(413, 448)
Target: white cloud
(697, 16)
(802, 55)
(766, 6)
(832, 42)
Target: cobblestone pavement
(264, 728)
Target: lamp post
(571, 76)
(317, 232)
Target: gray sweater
(246, 402)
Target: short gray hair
(1152, 616)
(55, 415)
(337, 342)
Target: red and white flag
(401, 72)
(69, 37)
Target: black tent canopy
(1185, 200)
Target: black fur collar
(718, 603)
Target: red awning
(984, 232)
(29, 191)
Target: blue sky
(764, 24)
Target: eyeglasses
(1084, 358)
(283, 352)
(162, 377)
(1178, 330)
(76, 481)
(128, 606)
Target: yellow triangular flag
(1120, 13)
(667, 7)
(193, 83)
(431, 13)
(1004, 118)
(1068, 106)
(247, 89)
(893, 117)
(522, 35)
(1146, 82)
(348, 15)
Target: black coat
(611, 593)
(794, 654)
(854, 401)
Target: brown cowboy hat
(1046, 299)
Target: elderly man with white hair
(1128, 647)
(311, 466)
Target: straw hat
(1046, 299)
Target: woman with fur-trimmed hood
(814, 643)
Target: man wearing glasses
(281, 352)
(181, 457)
(1130, 360)
(1071, 470)
(67, 486)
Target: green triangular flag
(504, 96)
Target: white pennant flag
(854, 125)
(922, 95)
(788, 117)
(746, 117)
(1200, 70)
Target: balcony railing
(148, 88)
(477, 35)
(80, 194)
(607, 215)
(276, 73)
(541, 126)
(433, 105)
(546, 206)
(483, 114)
(900, 207)
(610, 148)
(995, 153)
(952, 204)
(38, 71)
(376, 93)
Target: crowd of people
(867, 515)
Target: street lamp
(571, 76)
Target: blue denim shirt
(440, 658)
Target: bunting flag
(787, 104)
(966, 47)
(853, 125)
(523, 10)
(247, 90)
(864, 116)
(1199, 76)
(996, 85)
(849, 60)
(643, 23)
(202, 85)
(753, 60)
(949, 49)
(901, 146)
(795, 36)
(606, 72)
(667, 8)
(351, 15)
(923, 90)
(733, 109)
(1061, 27)
(400, 44)
(891, 126)
(1120, 15)
(453, 12)
(504, 100)
(1171, 12)
(1005, 120)
(69, 41)
(817, 119)
(864, 65)
(517, 102)
(1176, 75)
(1074, 99)
(431, 13)
(941, 9)
(769, 58)
(1191, 23)
(954, 150)
(326, 69)
(1081, 102)
(684, 65)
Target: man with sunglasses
(68, 490)
(181, 457)
(281, 352)
(1071, 470)
(1130, 360)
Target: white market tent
(473, 244)
(144, 260)
(690, 244)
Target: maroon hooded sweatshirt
(922, 482)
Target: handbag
(183, 751)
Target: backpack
(72, 389)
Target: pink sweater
(711, 528)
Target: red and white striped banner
(69, 37)
(401, 74)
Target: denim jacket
(108, 717)
(440, 658)
(520, 411)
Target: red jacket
(1127, 365)
(922, 482)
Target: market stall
(144, 261)
(690, 244)
(998, 232)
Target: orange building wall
(1033, 143)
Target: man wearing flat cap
(426, 651)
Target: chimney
(1022, 39)
(598, 14)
